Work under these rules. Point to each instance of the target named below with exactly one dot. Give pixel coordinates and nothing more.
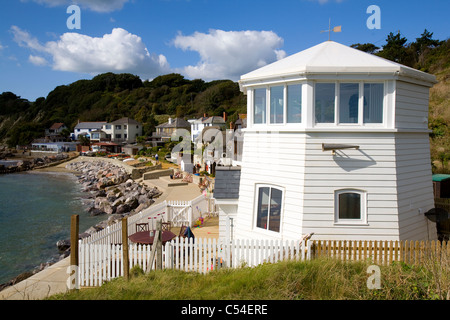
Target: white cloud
(24, 39)
(94, 5)
(229, 54)
(120, 52)
(37, 61)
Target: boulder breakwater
(110, 192)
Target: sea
(35, 212)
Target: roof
(441, 177)
(176, 123)
(126, 121)
(226, 184)
(214, 120)
(56, 126)
(90, 125)
(331, 57)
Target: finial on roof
(335, 29)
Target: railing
(185, 212)
(99, 263)
(381, 252)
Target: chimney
(170, 120)
(204, 115)
(225, 116)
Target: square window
(276, 104)
(294, 103)
(348, 102)
(325, 96)
(350, 206)
(269, 208)
(259, 106)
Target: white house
(124, 130)
(86, 128)
(198, 125)
(337, 145)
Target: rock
(123, 208)
(63, 245)
(95, 212)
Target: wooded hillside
(108, 97)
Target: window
(294, 103)
(373, 102)
(277, 104)
(259, 106)
(357, 103)
(348, 102)
(118, 136)
(118, 127)
(325, 102)
(269, 208)
(107, 127)
(350, 206)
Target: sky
(45, 43)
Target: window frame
(267, 121)
(256, 209)
(363, 207)
(337, 98)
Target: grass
(319, 279)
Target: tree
(394, 49)
(366, 47)
(426, 41)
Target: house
(175, 126)
(336, 144)
(198, 125)
(106, 146)
(124, 130)
(54, 133)
(99, 135)
(86, 128)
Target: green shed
(441, 185)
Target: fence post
(158, 239)
(74, 227)
(125, 255)
(74, 262)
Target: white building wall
(371, 169)
(415, 186)
(411, 106)
(277, 160)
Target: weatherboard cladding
(227, 182)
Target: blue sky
(207, 39)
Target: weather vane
(335, 29)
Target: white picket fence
(178, 212)
(99, 263)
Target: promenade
(52, 280)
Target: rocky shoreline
(8, 165)
(111, 192)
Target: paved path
(43, 284)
